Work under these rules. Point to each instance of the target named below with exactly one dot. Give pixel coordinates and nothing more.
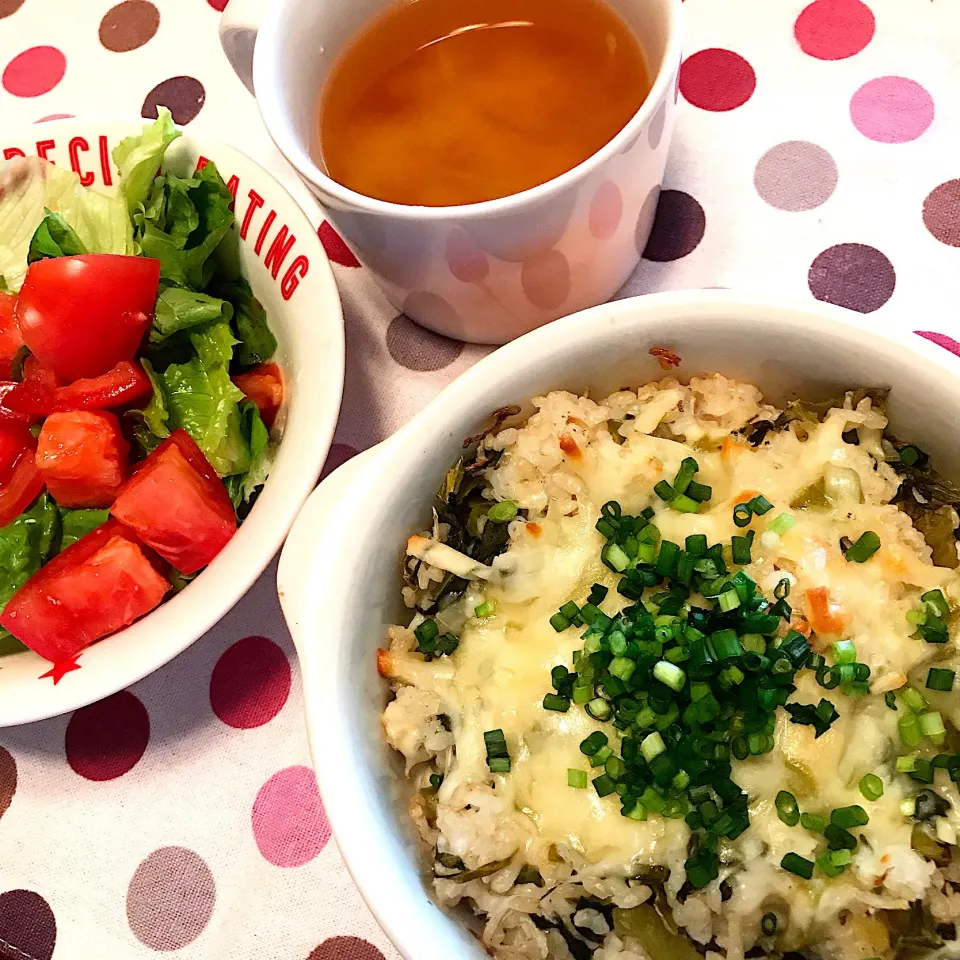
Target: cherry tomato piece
(177, 505)
(263, 384)
(82, 457)
(126, 385)
(80, 316)
(101, 583)
(20, 481)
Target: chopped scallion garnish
(503, 512)
(797, 865)
(864, 548)
(940, 679)
(871, 786)
(576, 778)
(787, 809)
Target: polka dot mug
(484, 272)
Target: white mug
(484, 272)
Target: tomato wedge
(82, 457)
(6, 386)
(20, 481)
(176, 504)
(10, 340)
(101, 583)
(263, 384)
(126, 385)
(82, 315)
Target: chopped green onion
(865, 547)
(652, 746)
(909, 729)
(552, 701)
(910, 455)
(913, 699)
(667, 559)
(787, 809)
(664, 491)
(499, 764)
(827, 867)
(485, 609)
(726, 644)
(686, 473)
(871, 786)
(931, 724)
(498, 757)
(700, 492)
(435, 780)
(598, 708)
(781, 524)
(559, 622)
(696, 544)
(728, 600)
(740, 550)
(907, 762)
(908, 807)
(604, 785)
(576, 778)
(685, 504)
(590, 745)
(923, 771)
(571, 611)
(797, 865)
(813, 822)
(614, 556)
(852, 816)
(742, 514)
(760, 505)
(503, 512)
(670, 674)
(890, 699)
(768, 924)
(844, 652)
(940, 679)
(937, 601)
(427, 631)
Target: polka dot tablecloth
(817, 153)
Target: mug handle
(239, 24)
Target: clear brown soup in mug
(443, 102)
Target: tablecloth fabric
(817, 153)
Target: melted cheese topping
(501, 669)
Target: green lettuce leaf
(75, 524)
(54, 238)
(184, 227)
(263, 452)
(30, 188)
(203, 400)
(256, 341)
(138, 158)
(26, 543)
(179, 309)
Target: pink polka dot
(250, 683)
(34, 72)
(54, 116)
(335, 247)
(545, 279)
(891, 109)
(289, 822)
(465, 260)
(339, 454)
(717, 80)
(834, 29)
(606, 208)
(107, 739)
(941, 340)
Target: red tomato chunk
(263, 384)
(176, 504)
(82, 458)
(10, 341)
(80, 316)
(95, 587)
(20, 481)
(125, 385)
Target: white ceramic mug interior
(339, 575)
(484, 272)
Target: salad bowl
(284, 262)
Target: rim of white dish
(266, 63)
(347, 795)
(308, 433)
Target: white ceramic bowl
(339, 573)
(303, 309)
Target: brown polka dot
(645, 220)
(417, 348)
(129, 25)
(170, 898)
(182, 96)
(28, 927)
(854, 276)
(941, 213)
(339, 454)
(345, 948)
(545, 279)
(9, 6)
(8, 780)
(678, 227)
